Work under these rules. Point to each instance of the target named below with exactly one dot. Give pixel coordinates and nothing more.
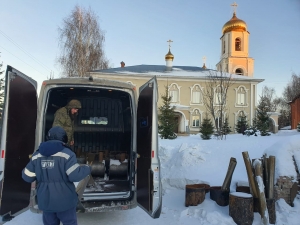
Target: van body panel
(148, 166)
(107, 131)
(17, 139)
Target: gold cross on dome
(234, 6)
(170, 41)
(204, 59)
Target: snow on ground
(188, 160)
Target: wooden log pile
(261, 181)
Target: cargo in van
(115, 132)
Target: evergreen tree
(226, 129)
(254, 123)
(166, 118)
(262, 117)
(241, 125)
(252, 129)
(298, 127)
(206, 128)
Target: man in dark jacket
(55, 168)
(64, 117)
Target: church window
(239, 71)
(174, 93)
(240, 115)
(241, 96)
(196, 118)
(238, 44)
(218, 120)
(219, 96)
(224, 47)
(196, 95)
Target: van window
(94, 120)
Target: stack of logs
(261, 181)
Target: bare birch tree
(81, 43)
(215, 97)
(292, 90)
(269, 94)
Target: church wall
(186, 107)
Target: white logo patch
(47, 164)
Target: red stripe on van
(2, 154)
(152, 154)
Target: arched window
(196, 95)
(219, 118)
(241, 96)
(196, 118)
(174, 93)
(240, 114)
(219, 95)
(239, 71)
(238, 44)
(224, 47)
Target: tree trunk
(241, 208)
(250, 174)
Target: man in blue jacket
(55, 168)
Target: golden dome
(235, 24)
(169, 55)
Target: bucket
(194, 194)
(219, 196)
(206, 187)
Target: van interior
(102, 137)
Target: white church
(187, 83)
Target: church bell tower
(235, 48)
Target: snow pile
(284, 151)
(190, 160)
(179, 164)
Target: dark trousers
(67, 217)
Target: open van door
(149, 192)
(17, 140)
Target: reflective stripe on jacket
(55, 175)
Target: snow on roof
(162, 70)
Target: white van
(114, 131)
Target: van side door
(149, 192)
(17, 140)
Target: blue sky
(137, 31)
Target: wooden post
(260, 187)
(266, 174)
(227, 180)
(250, 174)
(271, 177)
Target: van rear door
(149, 193)
(17, 140)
